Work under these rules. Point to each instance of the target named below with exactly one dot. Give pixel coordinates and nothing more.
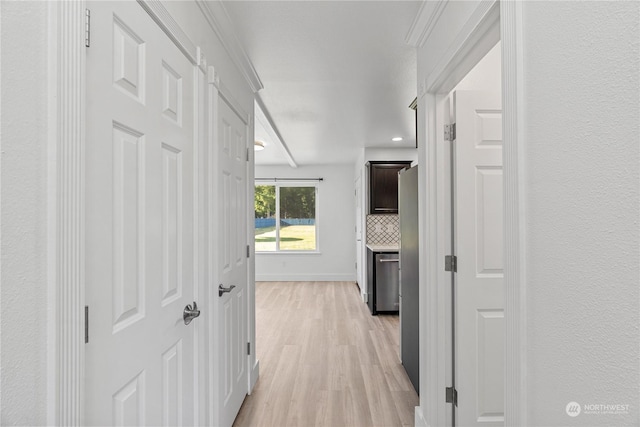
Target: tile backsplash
(383, 229)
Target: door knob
(223, 290)
(190, 313)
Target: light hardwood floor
(325, 360)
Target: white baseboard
(253, 378)
(419, 420)
(305, 277)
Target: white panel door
(231, 250)
(139, 230)
(478, 241)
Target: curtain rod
(289, 179)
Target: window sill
(290, 253)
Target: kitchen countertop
(384, 248)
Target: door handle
(389, 260)
(190, 313)
(223, 290)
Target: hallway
(325, 361)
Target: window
(286, 217)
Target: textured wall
(582, 137)
(23, 284)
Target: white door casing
(229, 217)
(141, 109)
(479, 294)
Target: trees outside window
(285, 217)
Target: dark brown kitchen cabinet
(383, 186)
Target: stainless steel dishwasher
(387, 282)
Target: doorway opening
(472, 113)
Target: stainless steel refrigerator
(409, 261)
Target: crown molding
(425, 22)
(165, 21)
(221, 24)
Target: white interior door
(231, 250)
(479, 312)
(140, 366)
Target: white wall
(336, 234)
(23, 287)
(582, 194)
(486, 75)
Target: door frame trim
(490, 21)
(515, 213)
(65, 205)
(66, 198)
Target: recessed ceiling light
(396, 139)
(258, 146)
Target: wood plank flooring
(325, 360)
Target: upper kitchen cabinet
(383, 186)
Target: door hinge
(450, 132)
(87, 28)
(248, 349)
(247, 154)
(86, 324)
(248, 251)
(451, 395)
(451, 263)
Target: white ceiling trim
(165, 21)
(262, 116)
(425, 22)
(220, 22)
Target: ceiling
(338, 75)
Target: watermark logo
(606, 409)
(573, 409)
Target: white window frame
(278, 184)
